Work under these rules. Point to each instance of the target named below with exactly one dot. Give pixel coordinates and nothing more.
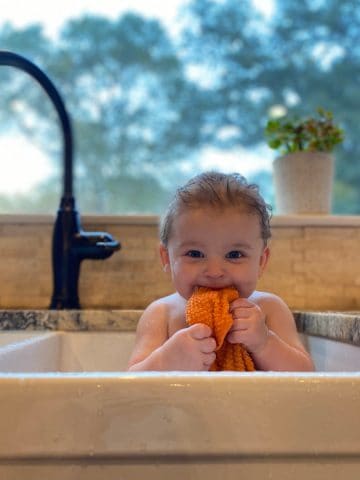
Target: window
(158, 91)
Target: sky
(53, 14)
(20, 155)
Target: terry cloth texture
(212, 308)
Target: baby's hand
(190, 349)
(249, 327)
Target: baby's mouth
(214, 287)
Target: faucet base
(61, 303)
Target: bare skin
(216, 250)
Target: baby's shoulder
(268, 301)
(170, 303)
(170, 309)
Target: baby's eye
(194, 254)
(234, 254)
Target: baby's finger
(240, 324)
(236, 336)
(241, 313)
(209, 359)
(241, 303)
(198, 331)
(208, 345)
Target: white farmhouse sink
(68, 410)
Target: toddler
(215, 234)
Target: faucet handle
(95, 245)
(109, 245)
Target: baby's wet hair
(218, 191)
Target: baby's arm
(267, 329)
(189, 349)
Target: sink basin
(14, 337)
(65, 351)
(25, 352)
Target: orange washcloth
(212, 308)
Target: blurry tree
(135, 115)
(303, 56)
(142, 104)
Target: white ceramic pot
(303, 183)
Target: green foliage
(311, 134)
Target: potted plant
(303, 174)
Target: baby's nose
(214, 268)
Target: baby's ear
(264, 260)
(164, 255)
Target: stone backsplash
(314, 265)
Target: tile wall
(314, 265)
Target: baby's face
(215, 249)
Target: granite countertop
(339, 326)
(69, 320)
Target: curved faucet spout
(71, 244)
(14, 60)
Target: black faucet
(71, 244)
